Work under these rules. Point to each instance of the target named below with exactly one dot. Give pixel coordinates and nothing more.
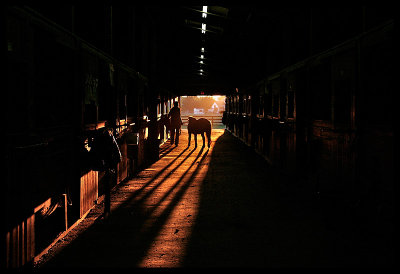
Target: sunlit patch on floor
(174, 204)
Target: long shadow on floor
(244, 220)
(123, 239)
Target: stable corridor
(217, 207)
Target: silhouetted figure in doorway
(176, 123)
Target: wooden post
(65, 211)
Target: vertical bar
(23, 243)
(15, 249)
(31, 237)
(81, 196)
(8, 248)
(96, 186)
(65, 211)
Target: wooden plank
(20, 243)
(88, 191)
(31, 238)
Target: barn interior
(310, 89)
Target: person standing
(175, 123)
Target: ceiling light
(204, 14)
(203, 28)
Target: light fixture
(202, 49)
(203, 28)
(201, 56)
(204, 14)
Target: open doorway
(203, 106)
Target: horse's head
(191, 119)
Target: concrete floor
(217, 207)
